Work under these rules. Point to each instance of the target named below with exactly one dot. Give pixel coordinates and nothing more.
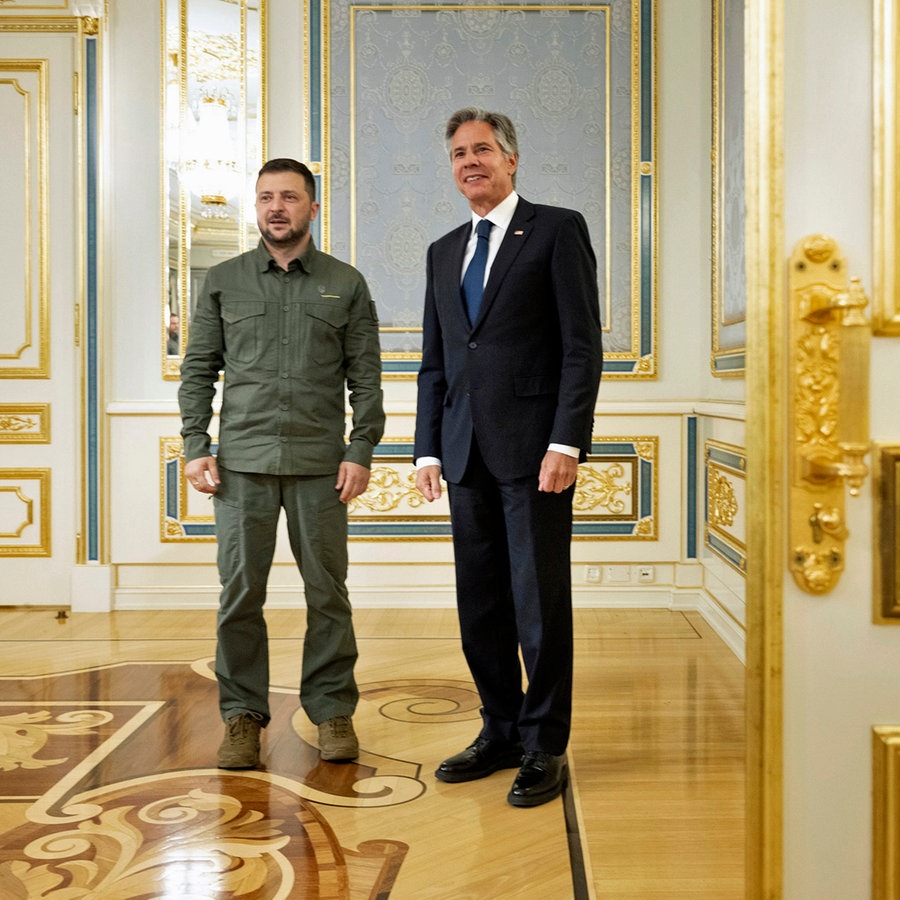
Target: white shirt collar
(501, 215)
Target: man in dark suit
(506, 395)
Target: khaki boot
(240, 747)
(337, 739)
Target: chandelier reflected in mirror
(214, 114)
(210, 167)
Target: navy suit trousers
(513, 583)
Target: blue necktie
(473, 280)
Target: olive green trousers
(247, 510)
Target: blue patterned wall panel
(579, 82)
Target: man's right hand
(428, 482)
(203, 474)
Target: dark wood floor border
(580, 889)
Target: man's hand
(558, 472)
(203, 474)
(428, 482)
(352, 480)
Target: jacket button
(472, 345)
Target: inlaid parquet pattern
(108, 785)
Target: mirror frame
(179, 282)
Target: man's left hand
(352, 480)
(558, 472)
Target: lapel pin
(519, 232)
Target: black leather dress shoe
(481, 758)
(541, 778)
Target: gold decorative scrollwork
(173, 528)
(646, 526)
(24, 423)
(816, 398)
(173, 448)
(90, 25)
(599, 489)
(387, 490)
(17, 423)
(722, 503)
(829, 392)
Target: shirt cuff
(423, 461)
(565, 448)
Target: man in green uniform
(291, 327)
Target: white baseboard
(697, 600)
(92, 589)
(731, 632)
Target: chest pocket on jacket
(327, 324)
(243, 328)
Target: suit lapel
(451, 266)
(513, 241)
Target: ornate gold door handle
(829, 338)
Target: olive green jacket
(289, 343)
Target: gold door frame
(766, 437)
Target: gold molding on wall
(726, 501)
(886, 104)
(886, 534)
(616, 496)
(885, 812)
(59, 24)
(36, 315)
(40, 5)
(721, 358)
(24, 423)
(13, 482)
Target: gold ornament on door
(829, 338)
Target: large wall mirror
(214, 143)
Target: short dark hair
(285, 164)
(504, 130)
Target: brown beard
(291, 237)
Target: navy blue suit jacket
(526, 373)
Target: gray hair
(504, 130)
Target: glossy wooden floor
(108, 785)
